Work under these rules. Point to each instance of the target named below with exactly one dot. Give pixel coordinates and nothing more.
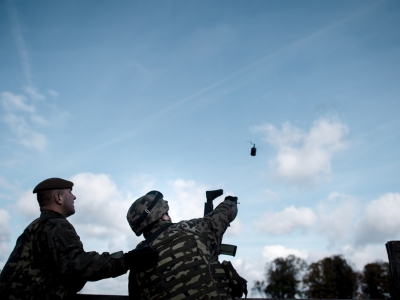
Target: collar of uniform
(46, 214)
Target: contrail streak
(267, 58)
(21, 47)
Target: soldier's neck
(155, 227)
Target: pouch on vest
(237, 283)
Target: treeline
(330, 278)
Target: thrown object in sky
(253, 150)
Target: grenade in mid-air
(253, 150)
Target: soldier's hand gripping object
(231, 198)
(141, 259)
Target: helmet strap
(147, 211)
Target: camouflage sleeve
(213, 226)
(66, 249)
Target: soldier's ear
(58, 198)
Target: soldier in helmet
(49, 262)
(188, 266)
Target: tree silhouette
(282, 278)
(375, 280)
(331, 278)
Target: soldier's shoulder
(58, 224)
(58, 221)
(197, 226)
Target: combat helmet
(146, 210)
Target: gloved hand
(232, 198)
(141, 259)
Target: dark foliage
(259, 286)
(331, 278)
(375, 281)
(282, 278)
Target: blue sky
(127, 97)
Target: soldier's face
(166, 217)
(68, 204)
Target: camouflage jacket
(188, 265)
(49, 262)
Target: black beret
(53, 184)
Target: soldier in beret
(49, 262)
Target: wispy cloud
(20, 114)
(21, 47)
(33, 92)
(21, 117)
(16, 103)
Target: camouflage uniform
(188, 266)
(49, 262)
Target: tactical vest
(184, 270)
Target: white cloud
(337, 216)
(360, 256)
(101, 211)
(188, 201)
(304, 158)
(287, 220)
(251, 270)
(274, 251)
(5, 234)
(28, 206)
(383, 213)
(381, 221)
